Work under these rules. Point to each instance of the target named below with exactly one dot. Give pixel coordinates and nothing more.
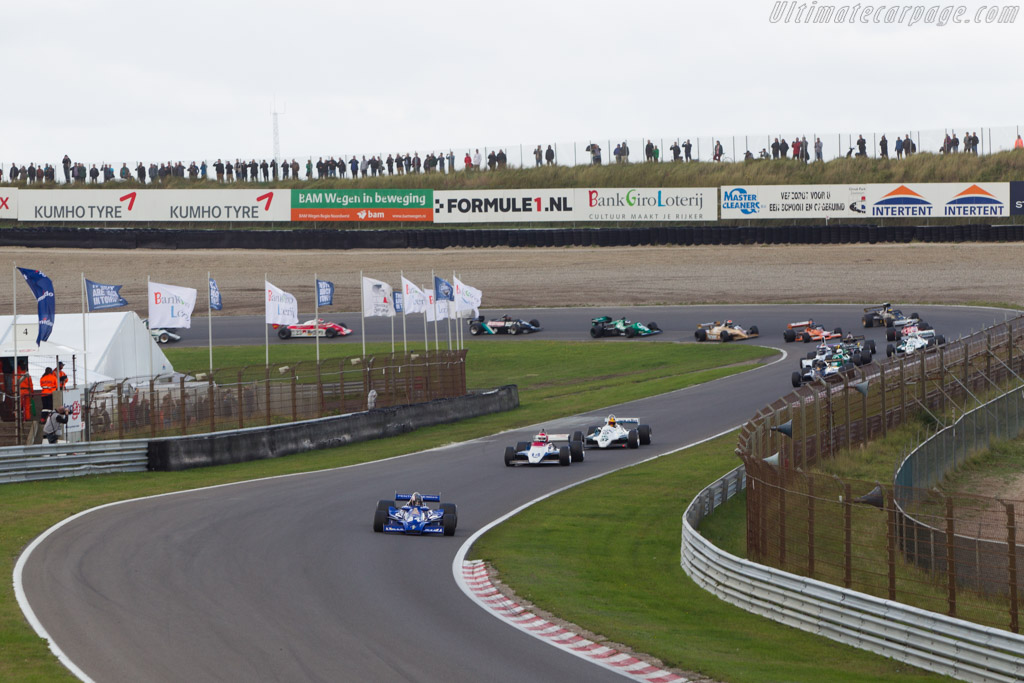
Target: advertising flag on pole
(216, 303)
(443, 290)
(42, 288)
(170, 305)
(413, 298)
(377, 298)
(467, 300)
(281, 307)
(100, 297)
(324, 293)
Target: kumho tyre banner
(126, 204)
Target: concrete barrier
(257, 443)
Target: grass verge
(555, 379)
(617, 573)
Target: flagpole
(448, 304)
(17, 380)
(405, 308)
(316, 317)
(392, 323)
(459, 331)
(433, 284)
(149, 346)
(209, 319)
(85, 340)
(362, 310)
(266, 330)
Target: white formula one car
(544, 449)
(160, 335)
(911, 343)
(622, 432)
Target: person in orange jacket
(48, 385)
(62, 376)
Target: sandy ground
(916, 273)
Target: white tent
(120, 346)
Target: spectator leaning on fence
(54, 419)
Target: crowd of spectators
(265, 171)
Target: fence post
(120, 410)
(846, 406)
(817, 426)
(885, 409)
(890, 541)
(181, 405)
(267, 392)
(242, 408)
(950, 558)
(847, 536)
(903, 390)
(152, 407)
(942, 368)
(320, 388)
(810, 525)
(211, 398)
(295, 411)
(341, 384)
(780, 475)
(1011, 563)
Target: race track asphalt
(284, 580)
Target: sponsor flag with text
(414, 299)
(42, 288)
(100, 297)
(377, 298)
(467, 299)
(216, 303)
(324, 293)
(281, 307)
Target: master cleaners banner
(874, 201)
(170, 306)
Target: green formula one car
(604, 326)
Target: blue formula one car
(415, 517)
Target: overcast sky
(113, 81)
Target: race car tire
(856, 358)
(330, 333)
(535, 322)
(510, 455)
(564, 456)
(633, 438)
(450, 519)
(479, 318)
(513, 329)
(868, 321)
(805, 337)
(596, 331)
(753, 330)
(788, 336)
(940, 340)
(475, 328)
(871, 345)
(576, 436)
(163, 338)
(888, 322)
(630, 332)
(865, 356)
(653, 326)
(797, 379)
(380, 515)
(284, 333)
(890, 334)
(890, 350)
(838, 330)
(701, 335)
(915, 316)
(522, 446)
(576, 451)
(725, 336)
(644, 432)
(924, 326)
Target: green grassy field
(617, 574)
(555, 379)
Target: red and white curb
(474, 573)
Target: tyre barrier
(443, 238)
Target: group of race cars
(410, 515)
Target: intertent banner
(42, 288)
(414, 298)
(377, 298)
(324, 293)
(216, 303)
(101, 297)
(170, 305)
(281, 307)
(467, 299)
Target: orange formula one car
(807, 331)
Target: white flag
(442, 306)
(170, 306)
(281, 307)
(414, 298)
(467, 300)
(377, 298)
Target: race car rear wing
(630, 420)
(876, 309)
(800, 325)
(701, 326)
(434, 498)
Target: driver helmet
(728, 322)
(416, 500)
(611, 420)
(542, 436)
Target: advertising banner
(170, 306)
(1017, 197)
(505, 206)
(8, 203)
(666, 204)
(153, 205)
(361, 205)
(873, 200)
(72, 400)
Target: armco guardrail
(57, 461)
(924, 639)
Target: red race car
(313, 328)
(807, 331)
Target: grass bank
(555, 379)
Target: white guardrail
(928, 640)
(60, 460)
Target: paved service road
(284, 580)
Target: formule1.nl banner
(875, 200)
(361, 205)
(575, 204)
(153, 205)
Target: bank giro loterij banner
(873, 201)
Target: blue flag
(324, 293)
(215, 302)
(42, 288)
(396, 297)
(443, 290)
(100, 297)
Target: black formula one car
(504, 325)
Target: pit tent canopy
(120, 346)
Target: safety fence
(58, 461)
(851, 532)
(235, 398)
